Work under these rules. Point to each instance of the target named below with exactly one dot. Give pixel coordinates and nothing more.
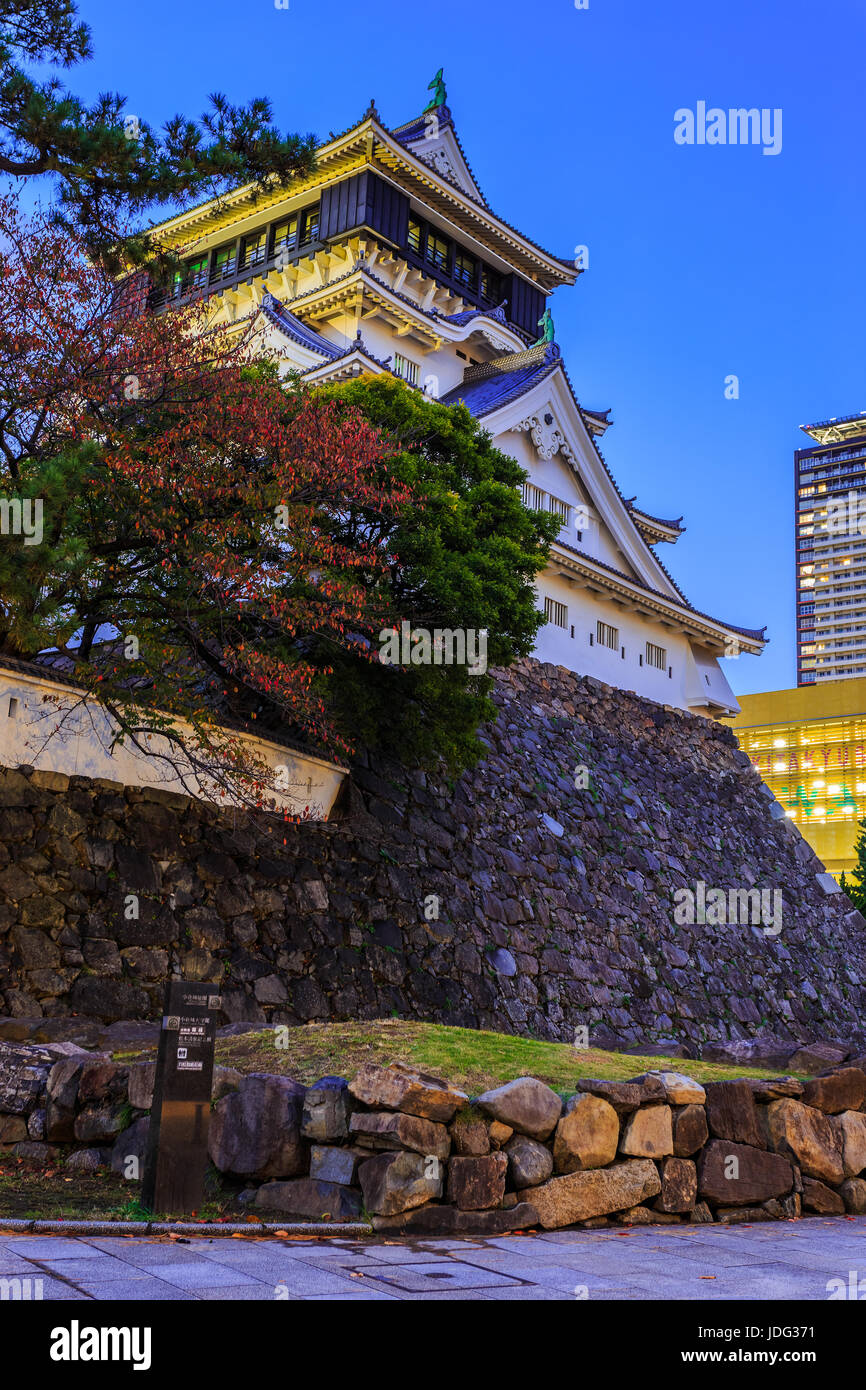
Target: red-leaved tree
(195, 511)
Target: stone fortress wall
(545, 892)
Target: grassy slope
(470, 1059)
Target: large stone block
(732, 1113)
(319, 1201)
(596, 1192)
(23, 1079)
(142, 1078)
(816, 1057)
(436, 1219)
(469, 1132)
(525, 1105)
(679, 1185)
(387, 1130)
(529, 1162)
(330, 1163)
(398, 1182)
(731, 1174)
(679, 1089)
(587, 1135)
(624, 1096)
(130, 1149)
(812, 1139)
(841, 1090)
(853, 1126)
(690, 1130)
(853, 1193)
(475, 1184)
(648, 1133)
(101, 1121)
(327, 1106)
(256, 1130)
(820, 1198)
(402, 1088)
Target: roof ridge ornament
(545, 323)
(372, 111)
(437, 87)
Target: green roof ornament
(545, 323)
(437, 87)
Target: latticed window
(407, 369)
(656, 656)
(607, 636)
(555, 613)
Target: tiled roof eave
(639, 591)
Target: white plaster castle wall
(32, 708)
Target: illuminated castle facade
(388, 258)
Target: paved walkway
(796, 1260)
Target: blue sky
(704, 261)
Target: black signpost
(176, 1159)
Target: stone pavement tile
(257, 1293)
(300, 1279)
(438, 1276)
(362, 1296)
(137, 1290)
(203, 1273)
(144, 1256)
(104, 1268)
(456, 1296)
(48, 1247)
(56, 1290)
(272, 1269)
(767, 1281)
(525, 1293)
(14, 1264)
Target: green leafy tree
(111, 165)
(468, 554)
(855, 886)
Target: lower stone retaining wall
(416, 1155)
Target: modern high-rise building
(830, 512)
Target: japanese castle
(388, 258)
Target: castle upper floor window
(491, 285)
(285, 235)
(416, 235)
(224, 263)
(438, 248)
(255, 249)
(465, 269)
(309, 225)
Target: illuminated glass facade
(809, 745)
